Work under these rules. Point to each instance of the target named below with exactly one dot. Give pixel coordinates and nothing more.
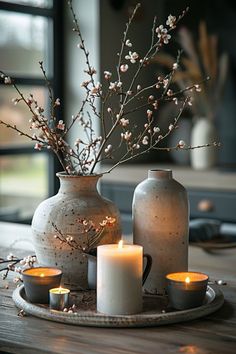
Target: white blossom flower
(133, 57)
(151, 98)
(77, 142)
(124, 122)
(124, 68)
(69, 238)
(171, 127)
(175, 66)
(85, 83)
(115, 85)
(136, 146)
(165, 83)
(7, 80)
(162, 34)
(198, 88)
(57, 102)
(181, 144)
(108, 149)
(18, 269)
(175, 100)
(15, 101)
(96, 89)
(156, 130)
(190, 102)
(169, 92)
(128, 43)
(16, 280)
(139, 87)
(171, 21)
(155, 105)
(107, 75)
(145, 140)
(38, 146)
(10, 257)
(109, 110)
(126, 136)
(149, 113)
(91, 71)
(61, 125)
(110, 220)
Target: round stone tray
(155, 310)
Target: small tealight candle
(38, 281)
(59, 298)
(119, 279)
(186, 289)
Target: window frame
(56, 42)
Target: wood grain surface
(215, 333)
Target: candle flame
(120, 244)
(42, 275)
(187, 280)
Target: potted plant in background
(70, 224)
(201, 63)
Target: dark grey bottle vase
(161, 225)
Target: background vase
(160, 225)
(203, 132)
(77, 199)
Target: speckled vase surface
(77, 200)
(160, 224)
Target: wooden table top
(213, 334)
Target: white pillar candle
(119, 279)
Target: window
(31, 31)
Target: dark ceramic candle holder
(186, 289)
(38, 281)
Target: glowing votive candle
(37, 282)
(59, 298)
(186, 289)
(119, 279)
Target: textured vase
(160, 224)
(77, 199)
(203, 132)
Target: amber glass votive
(186, 289)
(38, 281)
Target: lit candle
(38, 281)
(119, 279)
(186, 289)
(59, 298)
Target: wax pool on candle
(119, 279)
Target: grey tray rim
(214, 297)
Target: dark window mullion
(31, 10)
(28, 81)
(58, 75)
(19, 150)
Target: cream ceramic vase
(77, 199)
(203, 132)
(160, 225)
